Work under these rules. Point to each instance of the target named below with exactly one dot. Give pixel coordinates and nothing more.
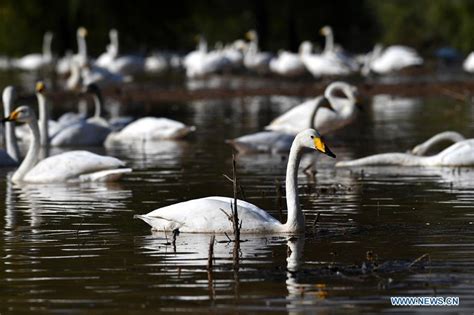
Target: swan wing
(70, 166)
(209, 215)
(81, 134)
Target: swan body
(344, 111)
(278, 141)
(468, 64)
(287, 64)
(156, 63)
(34, 62)
(392, 58)
(65, 167)
(209, 215)
(457, 155)
(149, 129)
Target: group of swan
(459, 154)
(326, 113)
(210, 214)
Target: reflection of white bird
(10, 156)
(210, 215)
(277, 141)
(344, 111)
(390, 59)
(459, 154)
(33, 62)
(69, 166)
(468, 64)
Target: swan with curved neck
(461, 153)
(208, 215)
(65, 167)
(345, 110)
(277, 141)
(446, 136)
(8, 97)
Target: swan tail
(105, 176)
(381, 160)
(240, 147)
(159, 223)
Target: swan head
(311, 139)
(251, 35)
(40, 87)
(22, 114)
(325, 30)
(82, 31)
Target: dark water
(76, 249)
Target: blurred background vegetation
(145, 25)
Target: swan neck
(82, 46)
(426, 146)
(295, 221)
(47, 54)
(329, 45)
(10, 137)
(97, 105)
(43, 119)
(31, 157)
(317, 106)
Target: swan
(468, 64)
(451, 136)
(157, 63)
(390, 59)
(148, 129)
(330, 62)
(34, 62)
(81, 57)
(254, 59)
(102, 77)
(89, 132)
(209, 215)
(10, 156)
(277, 141)
(345, 110)
(459, 154)
(66, 167)
(288, 64)
(200, 62)
(111, 52)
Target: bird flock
(292, 133)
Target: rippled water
(76, 248)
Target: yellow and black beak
(322, 147)
(12, 117)
(40, 87)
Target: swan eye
(312, 137)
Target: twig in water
(313, 226)
(419, 259)
(210, 256)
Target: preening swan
(206, 215)
(445, 136)
(65, 167)
(277, 141)
(10, 156)
(459, 154)
(344, 111)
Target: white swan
(277, 141)
(390, 59)
(111, 52)
(288, 64)
(345, 110)
(209, 215)
(468, 64)
(65, 167)
(254, 59)
(459, 154)
(10, 156)
(148, 129)
(330, 62)
(89, 132)
(33, 62)
(445, 136)
(200, 62)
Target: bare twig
(419, 259)
(210, 256)
(279, 199)
(313, 226)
